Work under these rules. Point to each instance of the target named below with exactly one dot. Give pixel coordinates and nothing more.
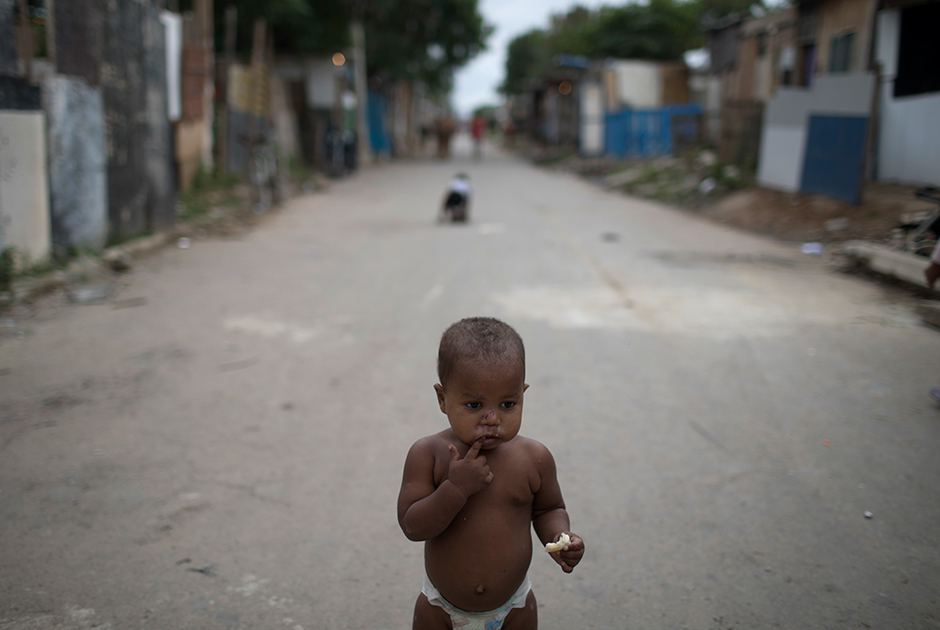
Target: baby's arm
(549, 516)
(425, 511)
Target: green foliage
(422, 40)
(7, 268)
(527, 56)
(660, 30)
(405, 39)
(297, 26)
(208, 188)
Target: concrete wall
(842, 16)
(908, 127)
(592, 118)
(786, 122)
(77, 163)
(24, 195)
(321, 83)
(638, 84)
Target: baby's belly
(478, 564)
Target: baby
(471, 491)
(456, 202)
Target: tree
(410, 40)
(423, 40)
(526, 57)
(661, 30)
(297, 26)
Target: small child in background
(456, 199)
(473, 491)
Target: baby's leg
(526, 618)
(430, 617)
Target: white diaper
(465, 620)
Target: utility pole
(362, 92)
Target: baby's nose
(489, 415)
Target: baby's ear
(525, 386)
(439, 390)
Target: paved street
(220, 445)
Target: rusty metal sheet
(133, 80)
(195, 71)
(7, 37)
(77, 37)
(18, 93)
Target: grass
(196, 200)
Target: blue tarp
(378, 136)
(647, 132)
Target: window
(840, 52)
(918, 51)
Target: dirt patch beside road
(697, 182)
(801, 217)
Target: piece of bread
(558, 546)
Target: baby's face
(483, 400)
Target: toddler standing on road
(471, 491)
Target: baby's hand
(570, 556)
(470, 474)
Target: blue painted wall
(832, 164)
(646, 132)
(378, 136)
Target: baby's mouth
(490, 434)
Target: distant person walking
(477, 129)
(445, 129)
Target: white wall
(24, 193)
(321, 83)
(786, 123)
(639, 83)
(173, 32)
(908, 127)
(592, 118)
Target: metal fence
(649, 132)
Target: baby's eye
(473, 405)
(509, 404)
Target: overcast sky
(476, 83)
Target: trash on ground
(869, 514)
(834, 225)
(183, 243)
(812, 248)
(130, 302)
(91, 292)
(119, 262)
(708, 184)
(205, 570)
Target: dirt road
(220, 444)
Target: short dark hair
(478, 338)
